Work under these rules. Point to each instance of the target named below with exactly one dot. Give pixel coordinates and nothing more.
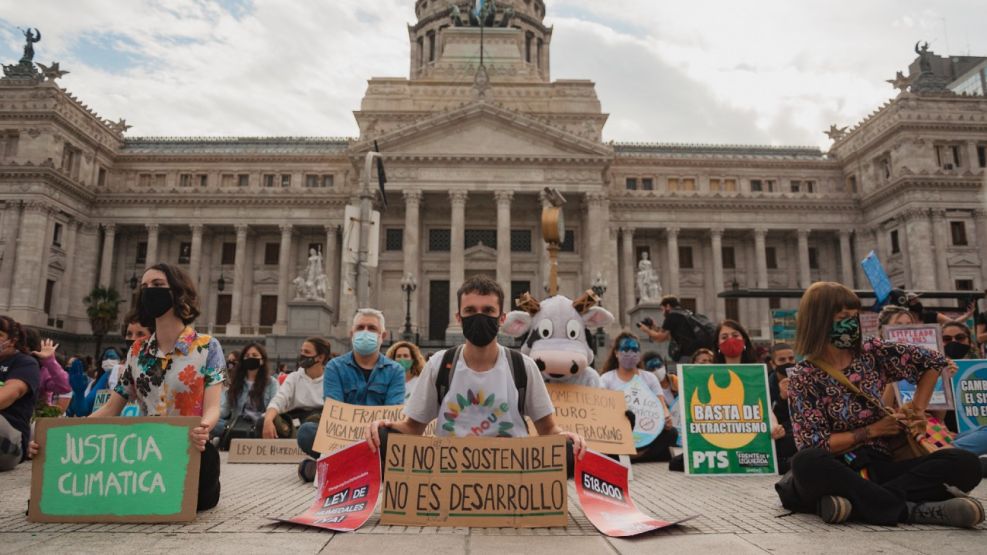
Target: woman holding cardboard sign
(176, 371)
(847, 466)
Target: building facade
(469, 148)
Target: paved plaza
(739, 515)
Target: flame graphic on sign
(731, 395)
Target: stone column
(68, 276)
(846, 259)
(106, 266)
(596, 231)
(980, 222)
(863, 238)
(673, 260)
(457, 250)
(716, 245)
(504, 199)
(332, 266)
(28, 275)
(152, 244)
(412, 246)
(940, 243)
(84, 276)
(918, 230)
(628, 271)
(11, 237)
(239, 277)
(805, 277)
(195, 256)
(284, 279)
(761, 263)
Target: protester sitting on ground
(845, 467)
(132, 331)
(654, 364)
(300, 398)
(362, 376)
(624, 364)
(680, 325)
(251, 391)
(54, 378)
(84, 398)
(478, 370)
(957, 346)
(232, 361)
(781, 362)
(20, 384)
(703, 356)
(407, 355)
(176, 371)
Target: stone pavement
(739, 515)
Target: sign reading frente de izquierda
(114, 470)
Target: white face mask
(110, 364)
(661, 373)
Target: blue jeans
(306, 438)
(974, 441)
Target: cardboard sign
(348, 496)
(343, 425)
(102, 396)
(605, 497)
(970, 394)
(649, 412)
(114, 470)
(726, 420)
(926, 336)
(594, 413)
(265, 451)
(480, 482)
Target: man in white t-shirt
(481, 388)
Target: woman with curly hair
(410, 358)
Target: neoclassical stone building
(468, 150)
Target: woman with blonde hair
(845, 466)
(410, 358)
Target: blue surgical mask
(366, 343)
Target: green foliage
(103, 309)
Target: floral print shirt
(820, 406)
(172, 384)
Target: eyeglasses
(960, 337)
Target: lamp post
(133, 281)
(599, 287)
(408, 285)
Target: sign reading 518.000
(726, 425)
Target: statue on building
(924, 57)
(25, 70)
(30, 39)
(648, 284)
(313, 286)
(457, 16)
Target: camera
(647, 322)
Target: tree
(103, 308)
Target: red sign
(348, 493)
(602, 487)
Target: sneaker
(834, 509)
(306, 470)
(961, 512)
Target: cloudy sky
(703, 71)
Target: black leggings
(208, 478)
(881, 500)
(659, 450)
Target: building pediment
(483, 130)
(479, 253)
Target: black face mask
(154, 303)
(249, 364)
(305, 362)
(782, 370)
(955, 349)
(480, 329)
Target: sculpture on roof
(457, 16)
(836, 133)
(25, 70)
(31, 38)
(900, 81)
(52, 72)
(924, 56)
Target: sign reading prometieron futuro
(114, 470)
(596, 414)
(482, 482)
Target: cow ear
(597, 317)
(517, 323)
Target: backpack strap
(845, 382)
(516, 361)
(446, 368)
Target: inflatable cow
(556, 332)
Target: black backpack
(448, 365)
(703, 330)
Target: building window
(49, 294)
(229, 254)
(71, 160)
(689, 304)
(286, 180)
(185, 253)
(101, 179)
(673, 184)
(141, 257)
(774, 303)
(685, 258)
(729, 259)
(227, 180)
(757, 186)
(421, 51)
(520, 240)
(518, 288)
(688, 184)
(964, 285)
(394, 239)
(10, 141)
(272, 251)
(851, 184)
(771, 257)
(647, 184)
(631, 183)
(813, 258)
(327, 180)
(269, 180)
(431, 46)
(958, 232)
(203, 180)
(982, 155)
(895, 246)
(717, 185)
(268, 310)
(948, 156)
(439, 240)
(809, 186)
(144, 180)
(884, 167)
(311, 180)
(569, 244)
(185, 180)
(732, 307)
(243, 180)
(56, 236)
(486, 237)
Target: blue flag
(478, 7)
(877, 276)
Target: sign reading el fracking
(343, 425)
(114, 470)
(596, 414)
(970, 394)
(481, 482)
(725, 420)
(926, 336)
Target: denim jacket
(343, 381)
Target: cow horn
(528, 304)
(586, 301)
